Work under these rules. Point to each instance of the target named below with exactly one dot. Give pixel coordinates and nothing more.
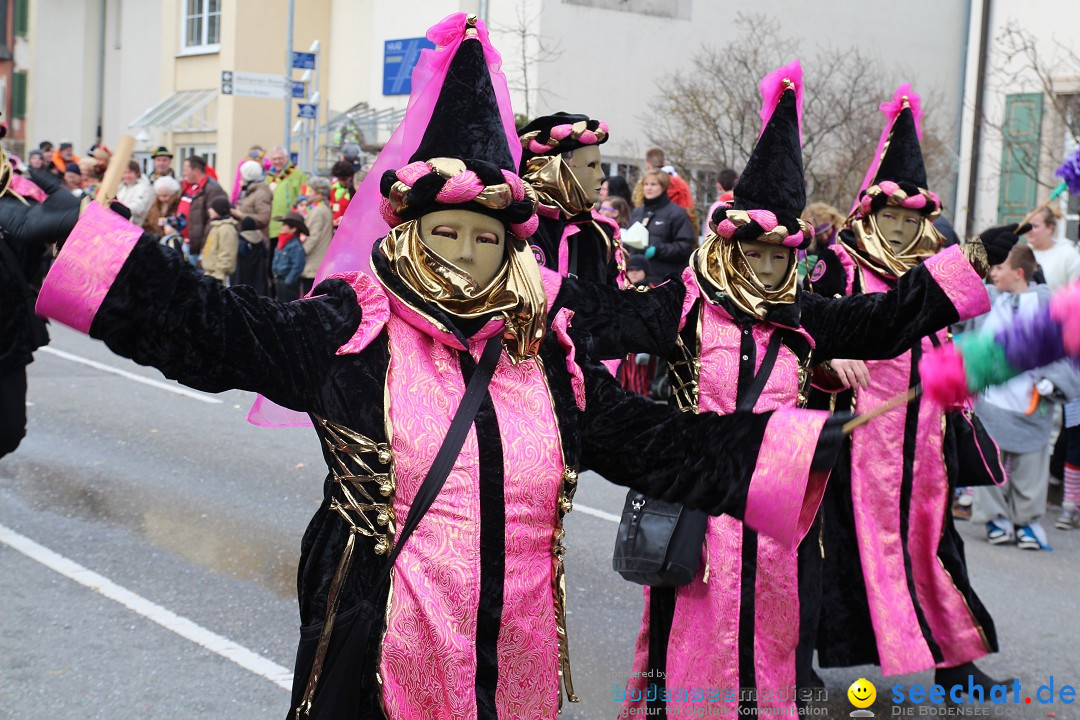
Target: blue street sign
(298, 89)
(306, 110)
(294, 158)
(399, 59)
(303, 60)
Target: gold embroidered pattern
(367, 492)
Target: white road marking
(253, 662)
(176, 389)
(597, 513)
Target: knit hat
(638, 262)
(250, 171)
(220, 205)
(72, 167)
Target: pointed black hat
(772, 180)
(466, 123)
(903, 160)
(773, 177)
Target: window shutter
(18, 95)
(1020, 156)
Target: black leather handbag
(659, 543)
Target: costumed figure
(560, 159)
(740, 337)
(896, 590)
(471, 623)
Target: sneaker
(1069, 519)
(1026, 539)
(996, 535)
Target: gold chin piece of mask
(516, 292)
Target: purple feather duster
(1070, 172)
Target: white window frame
(185, 151)
(202, 47)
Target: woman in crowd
(671, 235)
(617, 209)
(167, 199)
(135, 193)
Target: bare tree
(1052, 68)
(531, 49)
(708, 115)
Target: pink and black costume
(896, 585)
(572, 238)
(473, 621)
(748, 619)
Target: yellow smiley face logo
(862, 693)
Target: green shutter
(1020, 156)
(18, 95)
(22, 17)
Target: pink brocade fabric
(27, 188)
(84, 271)
(703, 648)
(560, 326)
(376, 310)
(774, 505)
(877, 461)
(428, 660)
(953, 273)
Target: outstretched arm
(623, 321)
(875, 326)
(768, 469)
(121, 286)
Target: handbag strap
(447, 455)
(753, 392)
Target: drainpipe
(976, 132)
(101, 72)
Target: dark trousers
(12, 410)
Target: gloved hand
(43, 223)
(1045, 387)
(649, 252)
(1000, 239)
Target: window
(209, 153)
(201, 24)
(18, 95)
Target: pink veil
(362, 224)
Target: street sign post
(249, 84)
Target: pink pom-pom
(1065, 309)
(944, 381)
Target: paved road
(180, 508)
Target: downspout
(101, 74)
(976, 130)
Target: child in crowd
(219, 252)
(1018, 415)
(289, 258)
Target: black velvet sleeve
(624, 321)
(160, 312)
(877, 326)
(705, 461)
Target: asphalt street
(131, 508)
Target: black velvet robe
(869, 327)
(846, 635)
(160, 312)
(590, 256)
